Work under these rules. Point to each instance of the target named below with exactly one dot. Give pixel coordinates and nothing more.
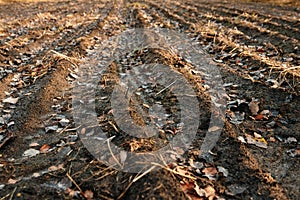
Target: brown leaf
(253, 106)
(259, 117)
(12, 181)
(189, 189)
(210, 171)
(34, 144)
(88, 194)
(210, 192)
(44, 148)
(71, 192)
(82, 131)
(55, 168)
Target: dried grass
(222, 37)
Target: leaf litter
(237, 114)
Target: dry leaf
(55, 168)
(214, 128)
(182, 171)
(44, 148)
(64, 122)
(82, 131)
(253, 106)
(223, 171)
(191, 189)
(12, 181)
(259, 117)
(34, 144)
(71, 192)
(210, 171)
(11, 100)
(36, 174)
(88, 194)
(31, 152)
(51, 128)
(210, 192)
(272, 139)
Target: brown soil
(251, 42)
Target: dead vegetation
(43, 152)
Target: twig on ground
(12, 194)
(72, 60)
(173, 171)
(112, 152)
(73, 181)
(166, 88)
(136, 178)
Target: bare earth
(256, 46)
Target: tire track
(212, 25)
(236, 40)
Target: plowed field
(255, 46)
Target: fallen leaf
(191, 189)
(210, 192)
(31, 152)
(11, 100)
(55, 168)
(210, 172)
(214, 128)
(223, 171)
(88, 194)
(36, 174)
(72, 75)
(51, 128)
(5, 138)
(71, 192)
(259, 117)
(253, 106)
(12, 181)
(182, 170)
(44, 148)
(260, 49)
(82, 131)
(64, 122)
(241, 139)
(34, 144)
(257, 141)
(291, 140)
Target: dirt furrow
(44, 22)
(257, 153)
(241, 9)
(253, 30)
(232, 40)
(275, 191)
(291, 30)
(32, 109)
(289, 23)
